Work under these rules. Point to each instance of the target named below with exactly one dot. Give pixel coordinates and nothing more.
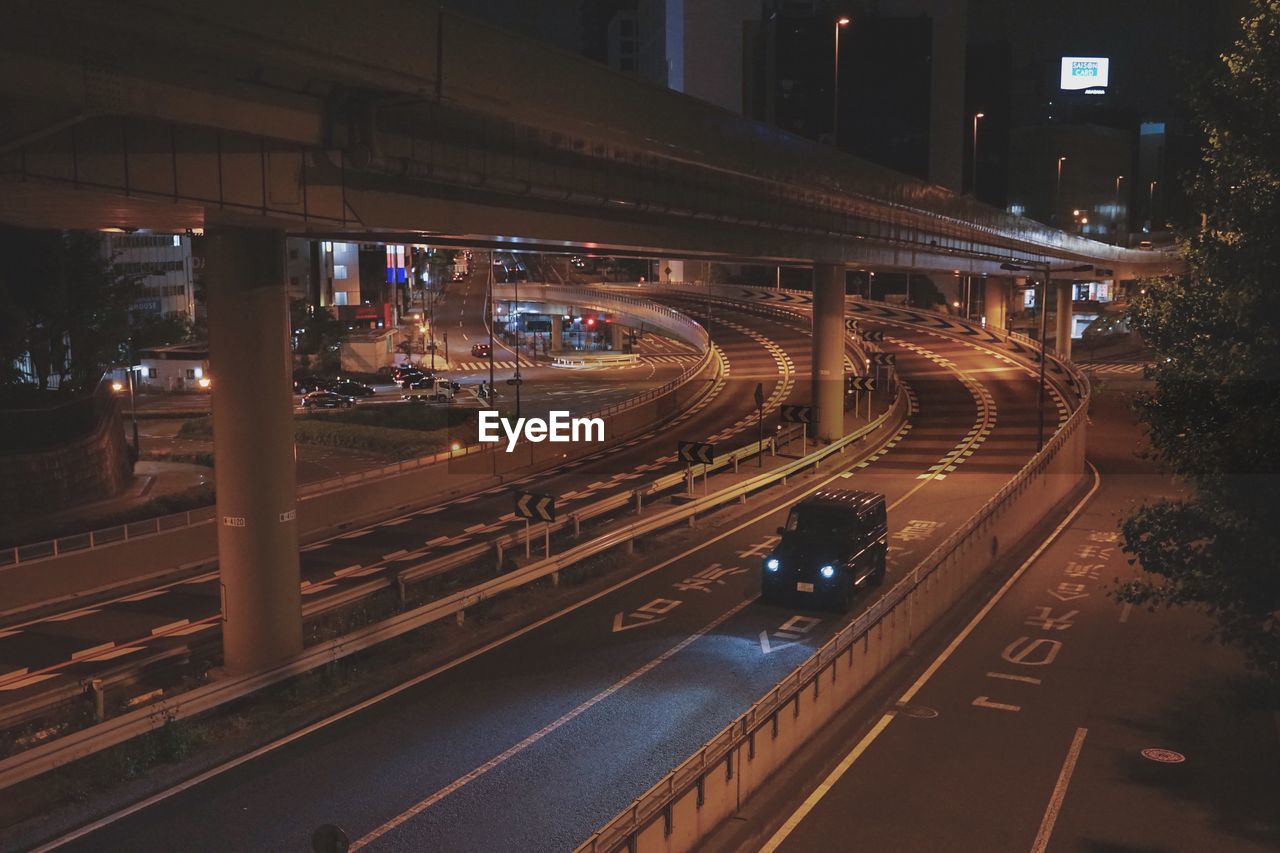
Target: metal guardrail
(88, 540)
(79, 744)
(594, 360)
(619, 833)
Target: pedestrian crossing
(480, 366)
(1131, 369)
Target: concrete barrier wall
(707, 789)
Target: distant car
(405, 371)
(327, 400)
(348, 388)
(425, 380)
(481, 350)
(305, 383)
(1144, 245)
(433, 390)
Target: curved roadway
(537, 740)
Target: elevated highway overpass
(250, 120)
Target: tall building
(899, 81)
(165, 267)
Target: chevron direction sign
(535, 507)
(697, 451)
(797, 414)
(883, 359)
(873, 335)
(861, 383)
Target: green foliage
(323, 430)
(62, 304)
(161, 331)
(1214, 413)
(317, 332)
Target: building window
(340, 297)
(191, 373)
(152, 373)
(340, 271)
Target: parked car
(833, 544)
(481, 350)
(327, 400)
(405, 371)
(350, 388)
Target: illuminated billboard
(1085, 72)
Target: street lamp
(1151, 204)
(1115, 215)
(1057, 192)
(835, 87)
(1043, 267)
(976, 116)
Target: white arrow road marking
(645, 619)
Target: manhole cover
(920, 712)
(1164, 756)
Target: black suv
(833, 544)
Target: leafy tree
(161, 330)
(317, 332)
(63, 304)
(1214, 413)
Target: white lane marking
(142, 596)
(394, 555)
(91, 651)
(834, 776)
(985, 702)
(193, 629)
(1059, 792)
(1026, 679)
(67, 617)
(502, 757)
(27, 682)
(164, 629)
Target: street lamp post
(1115, 215)
(976, 116)
(1043, 267)
(1151, 204)
(1057, 192)
(835, 87)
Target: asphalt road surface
(533, 743)
(1036, 733)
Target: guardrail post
(497, 548)
(460, 617)
(55, 547)
(402, 592)
(577, 526)
(639, 503)
(99, 703)
(735, 463)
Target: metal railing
(47, 756)
(620, 832)
(52, 548)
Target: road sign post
(760, 422)
(696, 451)
(804, 416)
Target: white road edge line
(775, 841)
(1059, 792)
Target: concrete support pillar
(557, 333)
(828, 350)
(995, 302)
(253, 446)
(1062, 341)
(619, 336)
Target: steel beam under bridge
(144, 113)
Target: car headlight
(772, 564)
(827, 572)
